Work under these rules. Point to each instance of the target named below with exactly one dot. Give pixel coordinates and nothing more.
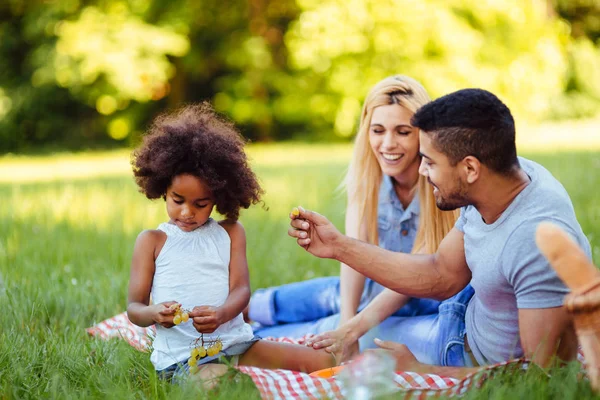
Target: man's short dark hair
(471, 122)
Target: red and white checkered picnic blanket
(282, 384)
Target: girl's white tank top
(193, 270)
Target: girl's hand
(206, 319)
(163, 313)
(342, 342)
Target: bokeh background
(80, 80)
(80, 74)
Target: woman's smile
(392, 158)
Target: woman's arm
(385, 304)
(352, 283)
(207, 318)
(139, 310)
(344, 340)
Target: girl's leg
(208, 375)
(295, 302)
(294, 357)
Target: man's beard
(450, 204)
(454, 200)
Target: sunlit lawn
(66, 238)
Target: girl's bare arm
(139, 310)
(385, 304)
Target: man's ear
(471, 168)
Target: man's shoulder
(545, 198)
(544, 183)
(523, 231)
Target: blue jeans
(311, 300)
(436, 339)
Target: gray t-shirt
(508, 270)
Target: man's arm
(545, 327)
(546, 332)
(437, 276)
(406, 361)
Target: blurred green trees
(86, 73)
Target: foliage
(583, 15)
(86, 73)
(30, 115)
(129, 54)
(509, 47)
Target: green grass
(66, 243)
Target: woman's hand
(163, 313)
(342, 342)
(206, 319)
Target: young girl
(196, 162)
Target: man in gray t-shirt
(508, 271)
(467, 145)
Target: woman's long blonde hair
(364, 173)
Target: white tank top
(193, 270)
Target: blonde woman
(389, 204)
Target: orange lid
(327, 372)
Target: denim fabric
(396, 226)
(452, 328)
(319, 298)
(436, 339)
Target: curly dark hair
(195, 140)
(471, 122)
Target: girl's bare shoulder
(152, 236)
(151, 240)
(234, 229)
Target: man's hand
(206, 319)
(314, 233)
(405, 359)
(341, 342)
(163, 313)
